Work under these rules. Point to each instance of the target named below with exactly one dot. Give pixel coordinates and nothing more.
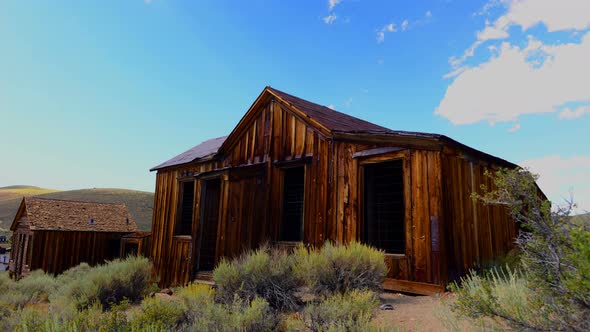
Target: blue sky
(93, 94)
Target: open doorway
(383, 206)
(293, 194)
(208, 227)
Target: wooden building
(292, 171)
(136, 244)
(54, 235)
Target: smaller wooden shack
(135, 244)
(54, 235)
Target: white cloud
(556, 16)
(536, 79)
(333, 3)
(331, 106)
(405, 25)
(569, 113)
(561, 176)
(514, 128)
(488, 6)
(428, 14)
(492, 32)
(330, 18)
(387, 28)
(348, 102)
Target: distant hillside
(582, 217)
(140, 203)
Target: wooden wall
(57, 251)
(477, 234)
(250, 170)
(445, 231)
(423, 261)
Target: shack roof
(334, 121)
(63, 215)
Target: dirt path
(413, 313)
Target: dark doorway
(113, 248)
(130, 249)
(384, 212)
(208, 227)
(293, 190)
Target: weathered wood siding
(423, 260)
(57, 251)
(251, 190)
(476, 233)
(445, 231)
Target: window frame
(381, 157)
(179, 209)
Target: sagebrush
(550, 289)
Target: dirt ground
(414, 313)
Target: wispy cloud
(348, 102)
(331, 106)
(386, 28)
(514, 128)
(330, 18)
(572, 15)
(405, 25)
(577, 112)
(333, 3)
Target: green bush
(264, 273)
(107, 284)
(342, 312)
(34, 288)
(553, 290)
(341, 268)
(503, 294)
(164, 314)
(5, 280)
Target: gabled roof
(333, 120)
(61, 215)
(325, 119)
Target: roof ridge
(324, 109)
(71, 200)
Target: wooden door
(209, 225)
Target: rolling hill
(139, 202)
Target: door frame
(202, 199)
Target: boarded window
(293, 186)
(185, 220)
(384, 212)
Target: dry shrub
(107, 284)
(341, 268)
(352, 311)
(264, 273)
